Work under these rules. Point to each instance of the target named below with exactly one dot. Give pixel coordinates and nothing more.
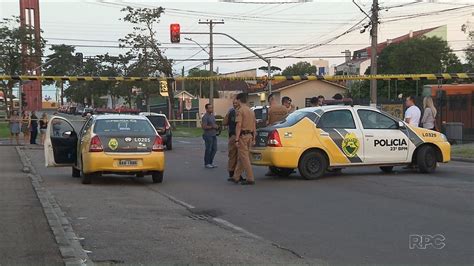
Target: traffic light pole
(211, 56)
(267, 60)
(373, 51)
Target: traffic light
(175, 33)
(23, 100)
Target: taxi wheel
(313, 165)
(386, 169)
(76, 172)
(157, 177)
(426, 159)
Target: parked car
(87, 110)
(162, 126)
(261, 115)
(79, 110)
(318, 139)
(106, 144)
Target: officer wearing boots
(245, 138)
(229, 121)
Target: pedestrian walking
(15, 128)
(245, 138)
(276, 112)
(429, 114)
(210, 127)
(230, 122)
(413, 113)
(33, 127)
(43, 125)
(25, 126)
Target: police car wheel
(313, 165)
(426, 159)
(169, 144)
(281, 172)
(157, 177)
(386, 169)
(76, 172)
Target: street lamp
(191, 40)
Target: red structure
(31, 54)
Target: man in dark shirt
(210, 136)
(229, 121)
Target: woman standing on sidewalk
(43, 125)
(14, 123)
(429, 114)
(33, 127)
(25, 126)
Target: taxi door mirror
(401, 125)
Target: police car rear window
(123, 125)
(295, 117)
(157, 120)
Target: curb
(460, 159)
(68, 243)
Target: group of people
(414, 117)
(28, 125)
(241, 123)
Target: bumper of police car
(286, 157)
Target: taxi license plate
(128, 162)
(257, 157)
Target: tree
(470, 53)
(201, 87)
(272, 69)
(62, 62)
(146, 48)
(415, 56)
(12, 62)
(300, 68)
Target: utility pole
(373, 51)
(211, 56)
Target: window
(337, 119)
(295, 117)
(123, 126)
(376, 120)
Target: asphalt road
(359, 216)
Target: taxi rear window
(123, 126)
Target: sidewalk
(25, 236)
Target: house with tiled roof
(360, 60)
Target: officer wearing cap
(229, 121)
(245, 138)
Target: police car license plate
(128, 162)
(257, 157)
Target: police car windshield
(126, 126)
(295, 117)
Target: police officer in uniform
(229, 121)
(245, 138)
(276, 112)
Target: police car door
(344, 144)
(384, 141)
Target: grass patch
(4, 130)
(463, 150)
(192, 132)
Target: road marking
(235, 227)
(175, 200)
(184, 142)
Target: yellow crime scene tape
(440, 76)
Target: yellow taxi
(318, 139)
(106, 144)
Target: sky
(278, 29)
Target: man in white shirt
(413, 113)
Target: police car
(106, 144)
(318, 139)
